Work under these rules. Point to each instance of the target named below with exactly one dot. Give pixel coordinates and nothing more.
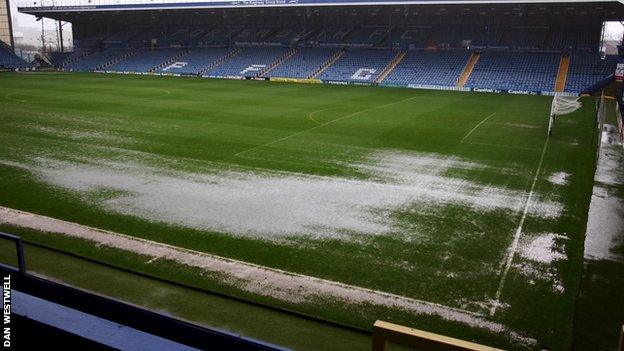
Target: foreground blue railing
(19, 248)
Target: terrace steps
(220, 61)
(562, 74)
(290, 53)
(463, 77)
(395, 61)
(169, 61)
(117, 59)
(335, 57)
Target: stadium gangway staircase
(562, 74)
(127, 55)
(390, 67)
(472, 61)
(45, 311)
(290, 53)
(220, 60)
(335, 57)
(169, 60)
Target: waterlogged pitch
(456, 206)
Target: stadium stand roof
(608, 10)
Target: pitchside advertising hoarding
(619, 70)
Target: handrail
(19, 247)
(385, 332)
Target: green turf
(443, 251)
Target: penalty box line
(514, 243)
(477, 126)
(464, 141)
(324, 124)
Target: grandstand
(248, 62)
(433, 68)
(8, 60)
(303, 63)
(510, 70)
(378, 46)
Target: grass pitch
(454, 199)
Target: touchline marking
(231, 267)
(477, 126)
(514, 244)
(324, 124)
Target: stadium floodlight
(562, 105)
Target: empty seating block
(454, 36)
(527, 37)
(195, 61)
(57, 57)
(575, 37)
(216, 36)
(441, 68)
(10, 60)
(515, 71)
(144, 60)
(94, 60)
(285, 36)
(369, 36)
(587, 69)
(413, 36)
(249, 35)
(249, 62)
(330, 35)
(359, 65)
(303, 63)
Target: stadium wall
(6, 27)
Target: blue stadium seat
(94, 60)
(441, 68)
(533, 71)
(359, 65)
(193, 62)
(144, 60)
(587, 69)
(10, 60)
(414, 37)
(249, 62)
(303, 63)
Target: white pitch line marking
(477, 126)
(324, 124)
(245, 271)
(514, 244)
(501, 145)
(311, 114)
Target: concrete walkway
(600, 305)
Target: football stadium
(315, 175)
